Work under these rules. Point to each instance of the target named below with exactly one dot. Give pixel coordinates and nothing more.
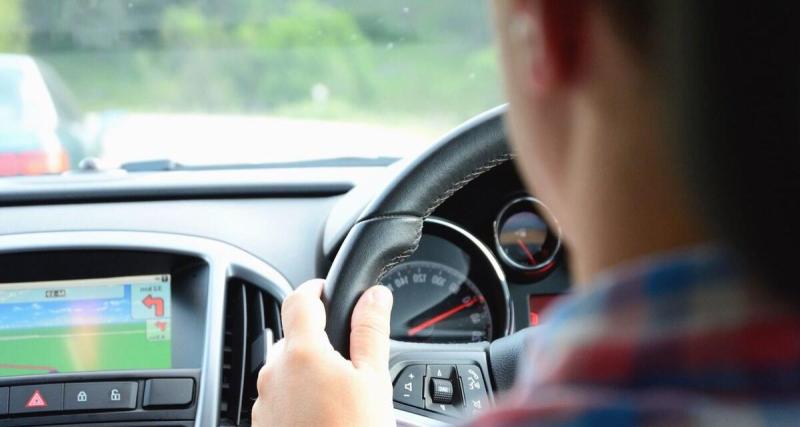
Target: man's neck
(627, 198)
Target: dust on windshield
(236, 81)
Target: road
(210, 139)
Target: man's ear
(552, 36)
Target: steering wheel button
(441, 371)
(441, 390)
(476, 398)
(444, 409)
(408, 386)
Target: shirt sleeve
(588, 406)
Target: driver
(666, 324)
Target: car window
(206, 82)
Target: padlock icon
(115, 396)
(82, 396)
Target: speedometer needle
(444, 315)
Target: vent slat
(249, 312)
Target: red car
(40, 129)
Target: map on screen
(85, 325)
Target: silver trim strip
(408, 419)
(224, 261)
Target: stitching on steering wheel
(480, 170)
(486, 167)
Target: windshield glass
(210, 82)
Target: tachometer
(436, 303)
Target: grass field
(81, 348)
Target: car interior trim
(106, 187)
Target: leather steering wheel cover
(390, 228)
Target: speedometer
(436, 303)
(450, 290)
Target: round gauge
(527, 236)
(436, 303)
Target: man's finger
(302, 312)
(369, 335)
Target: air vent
(252, 318)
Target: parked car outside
(41, 129)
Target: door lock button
(100, 395)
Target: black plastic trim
(106, 417)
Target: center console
(117, 328)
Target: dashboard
(153, 299)
(489, 262)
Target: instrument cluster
(454, 288)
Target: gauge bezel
(485, 272)
(542, 211)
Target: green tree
(269, 54)
(13, 35)
(310, 44)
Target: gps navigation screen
(85, 325)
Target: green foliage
(311, 44)
(12, 29)
(419, 61)
(188, 27)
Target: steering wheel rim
(390, 228)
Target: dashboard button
(100, 395)
(476, 398)
(168, 392)
(441, 371)
(408, 386)
(36, 398)
(3, 400)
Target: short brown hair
(732, 77)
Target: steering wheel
(389, 231)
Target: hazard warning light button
(36, 398)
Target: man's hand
(305, 382)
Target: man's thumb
(369, 334)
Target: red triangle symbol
(36, 401)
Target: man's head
(640, 122)
(586, 122)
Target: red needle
(441, 316)
(527, 252)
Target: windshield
(212, 82)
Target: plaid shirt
(681, 340)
